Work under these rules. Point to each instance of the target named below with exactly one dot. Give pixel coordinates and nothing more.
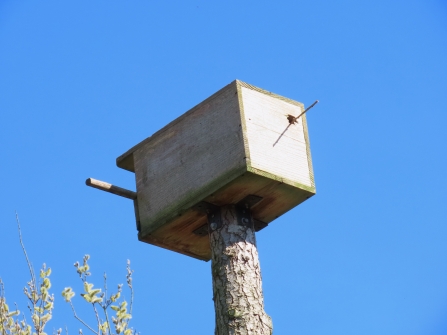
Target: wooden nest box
(243, 145)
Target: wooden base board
(277, 198)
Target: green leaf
(68, 293)
(45, 318)
(96, 300)
(47, 283)
(95, 291)
(86, 297)
(88, 287)
(13, 314)
(38, 310)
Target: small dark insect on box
(237, 143)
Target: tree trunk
(237, 284)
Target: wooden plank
(126, 161)
(189, 159)
(248, 183)
(275, 145)
(178, 234)
(271, 113)
(278, 199)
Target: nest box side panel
(189, 159)
(275, 146)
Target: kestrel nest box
(242, 145)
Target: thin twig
(33, 286)
(129, 283)
(105, 286)
(31, 270)
(307, 109)
(131, 300)
(294, 119)
(80, 320)
(24, 318)
(107, 319)
(106, 304)
(97, 318)
(282, 134)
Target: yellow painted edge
(309, 156)
(243, 123)
(274, 95)
(280, 179)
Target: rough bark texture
(237, 284)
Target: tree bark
(237, 284)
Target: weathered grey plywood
(237, 142)
(190, 159)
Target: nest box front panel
(188, 159)
(275, 145)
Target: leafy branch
(41, 303)
(102, 301)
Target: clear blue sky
(83, 81)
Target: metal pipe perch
(101, 185)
